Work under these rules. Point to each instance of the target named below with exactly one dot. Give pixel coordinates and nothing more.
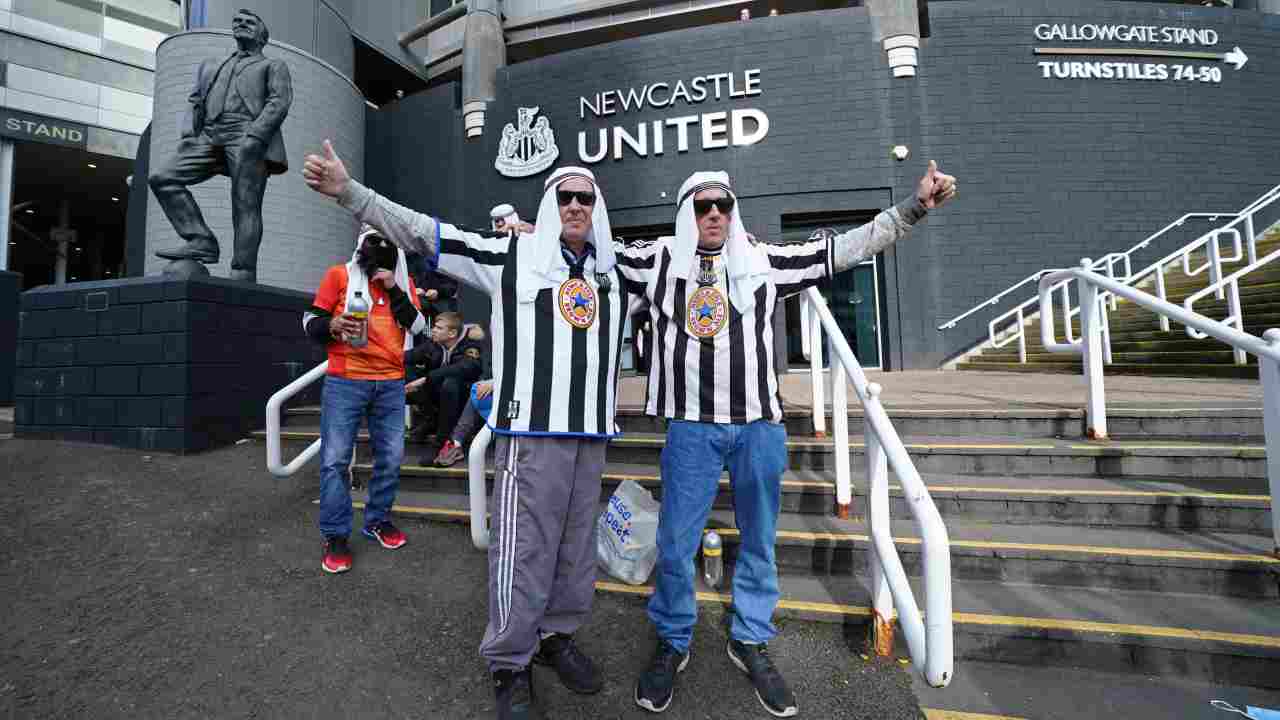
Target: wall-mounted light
(95, 167)
(900, 152)
(115, 199)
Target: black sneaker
(771, 689)
(514, 692)
(657, 684)
(576, 670)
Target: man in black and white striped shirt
(712, 292)
(558, 309)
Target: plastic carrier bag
(627, 534)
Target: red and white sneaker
(337, 556)
(387, 535)
(449, 455)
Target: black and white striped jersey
(555, 357)
(712, 363)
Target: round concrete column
(303, 232)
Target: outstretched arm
(410, 230)
(860, 243)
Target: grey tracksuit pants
(542, 542)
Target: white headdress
(506, 213)
(544, 266)
(747, 266)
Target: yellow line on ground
(415, 510)
(1116, 628)
(993, 545)
(977, 544)
(724, 599)
(1155, 446)
(994, 620)
(1103, 493)
(940, 714)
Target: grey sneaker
(771, 689)
(656, 685)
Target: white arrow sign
(1236, 57)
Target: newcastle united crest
(706, 312)
(577, 303)
(528, 149)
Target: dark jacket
(430, 356)
(267, 89)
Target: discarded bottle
(712, 562)
(359, 310)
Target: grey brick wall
(303, 232)
(1051, 170)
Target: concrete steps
(1138, 345)
(1150, 555)
(988, 691)
(1010, 618)
(1235, 564)
(971, 456)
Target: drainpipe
(484, 52)
(896, 24)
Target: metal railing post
(1248, 233)
(1022, 339)
(1160, 293)
(1215, 264)
(1091, 329)
(882, 614)
(477, 488)
(815, 373)
(1235, 311)
(274, 406)
(1269, 370)
(840, 433)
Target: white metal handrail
(1092, 285)
(274, 406)
(1111, 259)
(1235, 312)
(929, 638)
(477, 488)
(1011, 325)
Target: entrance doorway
(855, 296)
(68, 218)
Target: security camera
(900, 152)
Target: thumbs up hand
(326, 174)
(936, 188)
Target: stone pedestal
(157, 363)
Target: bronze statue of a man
(232, 128)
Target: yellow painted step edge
(940, 714)
(977, 544)
(992, 620)
(933, 489)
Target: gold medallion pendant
(577, 302)
(706, 312)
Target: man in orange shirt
(364, 380)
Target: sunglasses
(585, 199)
(724, 205)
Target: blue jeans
(695, 455)
(343, 405)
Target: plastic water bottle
(712, 561)
(359, 309)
